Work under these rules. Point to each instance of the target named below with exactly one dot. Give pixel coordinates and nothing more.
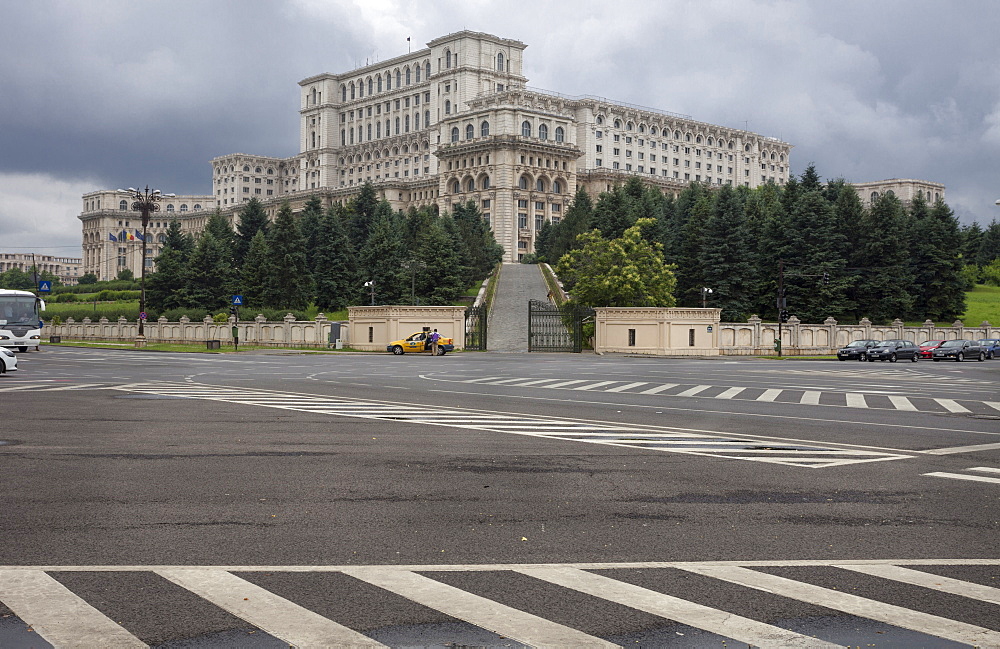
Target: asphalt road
(497, 500)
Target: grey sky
(98, 94)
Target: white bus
(19, 319)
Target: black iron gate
(554, 328)
(476, 318)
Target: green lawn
(982, 303)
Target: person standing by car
(434, 338)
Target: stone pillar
(831, 326)
(866, 324)
(958, 324)
(320, 324)
(754, 322)
(898, 325)
(288, 320)
(793, 333)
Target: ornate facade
(454, 122)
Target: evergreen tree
(290, 283)
(690, 273)
(481, 252)
(309, 224)
(938, 285)
(815, 278)
(167, 287)
(810, 179)
(673, 243)
(775, 248)
(972, 238)
(611, 213)
(381, 259)
(885, 277)
(989, 249)
(441, 279)
(220, 228)
(336, 272)
(363, 214)
(764, 218)
(577, 221)
(543, 242)
(727, 256)
(209, 277)
(254, 278)
(252, 219)
(850, 214)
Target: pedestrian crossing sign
(45, 286)
(237, 300)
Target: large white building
(450, 123)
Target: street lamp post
(705, 292)
(413, 265)
(144, 202)
(370, 285)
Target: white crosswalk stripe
(874, 400)
(66, 619)
(650, 438)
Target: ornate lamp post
(144, 202)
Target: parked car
(891, 350)
(928, 346)
(8, 361)
(856, 350)
(960, 350)
(991, 345)
(418, 342)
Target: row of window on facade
(401, 126)
(525, 182)
(687, 136)
(246, 168)
(123, 206)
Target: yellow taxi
(418, 342)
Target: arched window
(447, 58)
(379, 83)
(874, 196)
(556, 187)
(427, 118)
(629, 126)
(677, 135)
(560, 134)
(484, 129)
(397, 126)
(416, 69)
(388, 81)
(369, 85)
(257, 170)
(470, 132)
(123, 205)
(698, 140)
(652, 130)
(270, 171)
(500, 65)
(687, 137)
(162, 238)
(526, 129)
(540, 185)
(447, 107)
(427, 70)
(600, 119)
(543, 132)
(399, 77)
(522, 183)
(343, 93)
(197, 207)
(170, 208)
(416, 120)
(730, 146)
(455, 188)
(618, 123)
(710, 141)
(746, 147)
(184, 207)
(471, 185)
(454, 134)
(406, 124)
(352, 90)
(642, 128)
(407, 76)
(246, 168)
(485, 182)
(361, 88)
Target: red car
(928, 346)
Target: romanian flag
(129, 236)
(112, 237)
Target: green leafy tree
(627, 271)
(16, 279)
(87, 278)
(252, 219)
(336, 269)
(290, 282)
(125, 275)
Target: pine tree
(363, 214)
(761, 206)
(611, 213)
(336, 271)
(816, 280)
(481, 252)
(810, 179)
(220, 228)
(690, 273)
(883, 289)
(252, 219)
(577, 221)
(167, 287)
(309, 225)
(254, 275)
(989, 249)
(441, 279)
(381, 259)
(290, 283)
(727, 256)
(543, 241)
(209, 280)
(938, 285)
(775, 247)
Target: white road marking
(952, 406)
(993, 404)
(902, 403)
(281, 618)
(504, 620)
(932, 581)
(874, 610)
(855, 400)
(730, 393)
(57, 614)
(963, 449)
(565, 383)
(627, 386)
(699, 616)
(660, 388)
(690, 392)
(961, 476)
(984, 469)
(536, 382)
(769, 395)
(810, 397)
(591, 386)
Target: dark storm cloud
(96, 95)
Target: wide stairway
(508, 327)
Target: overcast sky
(100, 94)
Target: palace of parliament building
(450, 123)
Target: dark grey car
(893, 350)
(856, 350)
(959, 350)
